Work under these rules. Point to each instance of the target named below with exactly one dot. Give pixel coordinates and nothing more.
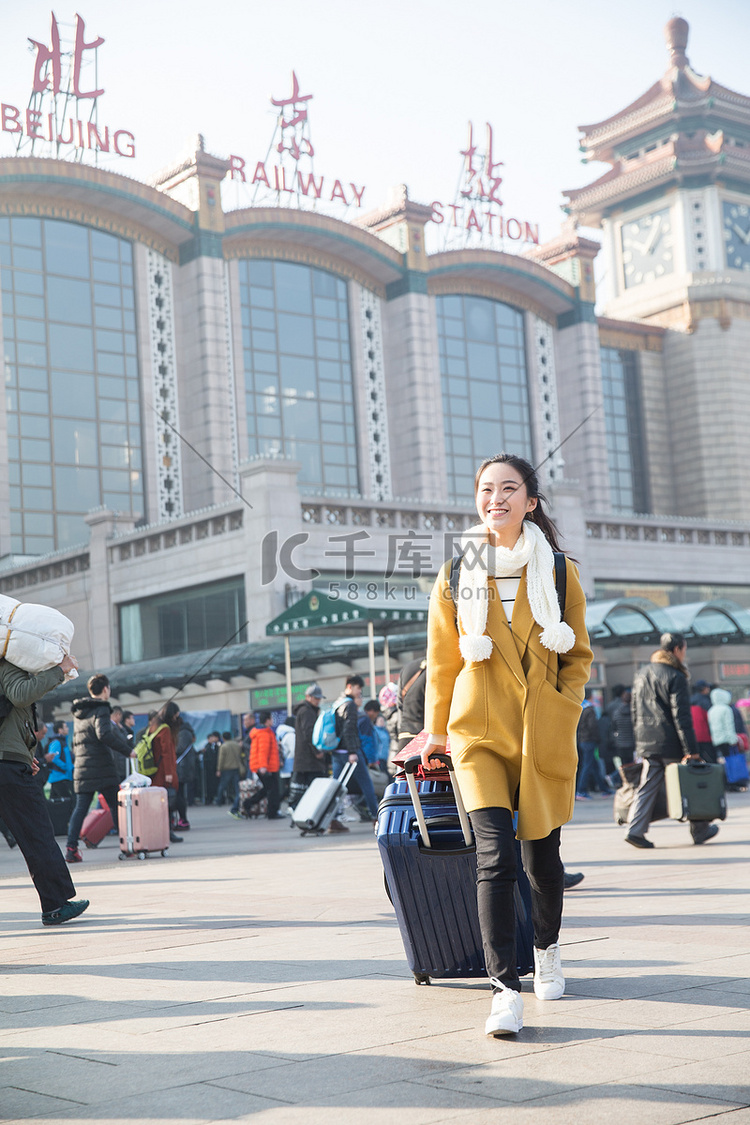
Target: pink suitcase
(143, 821)
(97, 824)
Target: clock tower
(674, 206)
(674, 211)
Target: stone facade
(218, 508)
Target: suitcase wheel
(142, 855)
(164, 851)
(422, 978)
(88, 845)
(121, 855)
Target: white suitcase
(317, 806)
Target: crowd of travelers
(267, 768)
(662, 718)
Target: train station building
(213, 412)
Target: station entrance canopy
(318, 613)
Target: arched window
(298, 371)
(485, 385)
(71, 378)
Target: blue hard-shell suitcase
(432, 885)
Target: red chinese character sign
(286, 178)
(476, 217)
(48, 69)
(61, 118)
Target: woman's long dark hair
(169, 714)
(527, 472)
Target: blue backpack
(325, 735)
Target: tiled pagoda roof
(697, 119)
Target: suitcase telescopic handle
(410, 767)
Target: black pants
(496, 876)
(269, 788)
(61, 789)
(178, 803)
(82, 806)
(23, 807)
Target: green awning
(318, 612)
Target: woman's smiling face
(502, 503)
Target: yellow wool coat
(511, 719)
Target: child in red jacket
(264, 761)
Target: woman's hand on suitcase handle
(434, 742)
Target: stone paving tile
(688, 1041)
(671, 1009)
(206, 999)
(726, 1077)
(324, 1076)
(391, 1101)
(527, 1078)
(597, 1104)
(89, 1077)
(195, 1102)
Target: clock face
(737, 235)
(647, 246)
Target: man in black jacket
(663, 730)
(94, 772)
(410, 701)
(350, 747)
(309, 762)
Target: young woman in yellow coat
(505, 679)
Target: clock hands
(653, 238)
(744, 236)
(655, 233)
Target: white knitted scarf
(532, 551)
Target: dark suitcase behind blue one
(433, 888)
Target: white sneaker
(549, 982)
(506, 1014)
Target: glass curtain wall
(71, 379)
(628, 483)
(298, 371)
(201, 617)
(485, 386)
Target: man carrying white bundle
(22, 803)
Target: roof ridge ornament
(676, 34)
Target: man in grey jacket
(22, 803)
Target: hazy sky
(394, 83)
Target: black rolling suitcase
(60, 810)
(429, 858)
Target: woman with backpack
(163, 729)
(506, 670)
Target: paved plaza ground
(254, 975)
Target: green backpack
(145, 754)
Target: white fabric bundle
(135, 780)
(34, 637)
